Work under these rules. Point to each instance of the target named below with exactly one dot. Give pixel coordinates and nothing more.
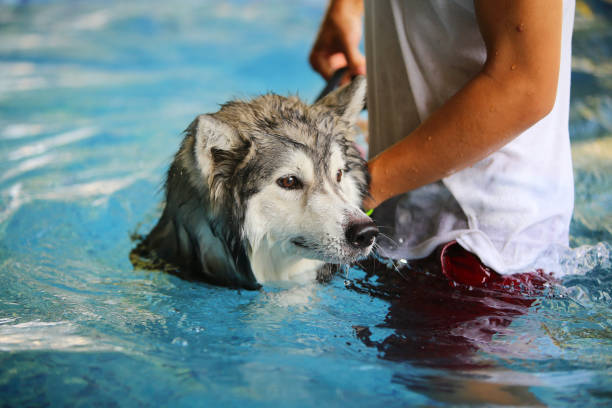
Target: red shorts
(445, 306)
(462, 267)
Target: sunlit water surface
(93, 98)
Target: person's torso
(419, 53)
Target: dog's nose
(361, 234)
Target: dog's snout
(361, 234)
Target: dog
(266, 190)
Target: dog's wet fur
(266, 190)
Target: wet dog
(267, 190)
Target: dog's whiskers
(389, 238)
(384, 226)
(392, 264)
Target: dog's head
(288, 174)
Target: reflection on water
(93, 98)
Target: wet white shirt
(512, 206)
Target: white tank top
(510, 207)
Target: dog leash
(332, 83)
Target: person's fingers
(356, 66)
(355, 60)
(326, 64)
(320, 64)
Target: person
(468, 107)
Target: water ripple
(42, 146)
(37, 335)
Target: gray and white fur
(266, 190)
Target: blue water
(93, 97)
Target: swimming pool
(93, 98)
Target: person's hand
(337, 44)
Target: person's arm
(515, 89)
(337, 43)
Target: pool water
(93, 99)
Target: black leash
(333, 83)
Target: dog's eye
(339, 175)
(289, 182)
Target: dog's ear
(213, 138)
(347, 101)
(219, 150)
(211, 133)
